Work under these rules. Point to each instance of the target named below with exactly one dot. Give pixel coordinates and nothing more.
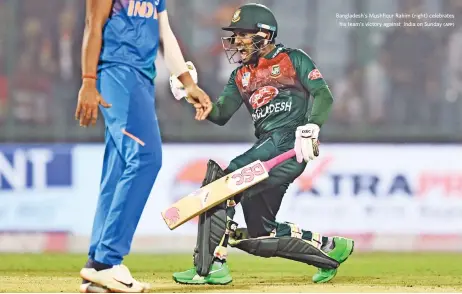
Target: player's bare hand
(200, 100)
(88, 102)
(199, 111)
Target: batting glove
(306, 142)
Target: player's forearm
(91, 49)
(216, 116)
(175, 60)
(222, 112)
(97, 12)
(173, 56)
(322, 106)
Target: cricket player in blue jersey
(120, 45)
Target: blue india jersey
(131, 35)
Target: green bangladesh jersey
(276, 92)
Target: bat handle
(269, 164)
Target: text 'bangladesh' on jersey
(131, 35)
(276, 92)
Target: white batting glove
(177, 87)
(306, 142)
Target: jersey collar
(273, 53)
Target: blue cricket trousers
(132, 160)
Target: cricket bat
(220, 190)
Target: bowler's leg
(139, 143)
(113, 168)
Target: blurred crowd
(397, 84)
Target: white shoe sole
(92, 288)
(110, 285)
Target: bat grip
(269, 164)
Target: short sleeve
(161, 6)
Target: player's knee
(259, 226)
(156, 162)
(233, 165)
(256, 231)
(153, 162)
(145, 164)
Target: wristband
(89, 77)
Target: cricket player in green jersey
(275, 84)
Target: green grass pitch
(371, 272)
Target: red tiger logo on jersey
(262, 96)
(315, 74)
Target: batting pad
(212, 226)
(286, 247)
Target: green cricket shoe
(218, 275)
(343, 248)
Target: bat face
(178, 212)
(245, 175)
(214, 193)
